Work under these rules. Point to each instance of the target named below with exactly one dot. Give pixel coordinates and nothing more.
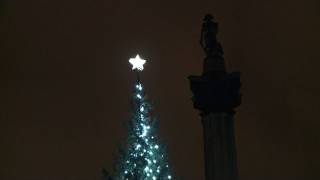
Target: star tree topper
(137, 63)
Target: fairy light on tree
(144, 158)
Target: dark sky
(66, 84)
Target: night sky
(66, 84)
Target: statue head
(208, 17)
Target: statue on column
(208, 39)
(216, 94)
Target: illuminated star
(137, 63)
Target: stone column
(219, 146)
(215, 94)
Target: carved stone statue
(208, 39)
(214, 64)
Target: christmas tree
(143, 158)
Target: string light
(144, 159)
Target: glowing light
(143, 145)
(138, 146)
(144, 131)
(137, 63)
(139, 86)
